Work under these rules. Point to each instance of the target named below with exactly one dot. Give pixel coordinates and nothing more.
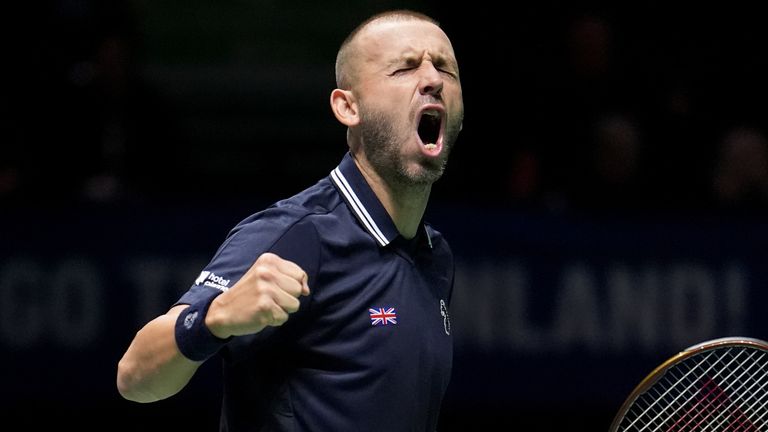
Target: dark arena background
(606, 200)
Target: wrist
(213, 319)
(193, 337)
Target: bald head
(346, 66)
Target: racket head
(717, 385)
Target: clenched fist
(265, 296)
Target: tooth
(430, 146)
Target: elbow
(129, 385)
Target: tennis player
(329, 309)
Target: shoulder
(263, 229)
(287, 227)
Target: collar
(364, 203)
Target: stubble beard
(382, 148)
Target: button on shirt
(370, 348)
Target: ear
(344, 107)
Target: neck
(404, 204)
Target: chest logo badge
(383, 316)
(446, 318)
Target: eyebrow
(411, 58)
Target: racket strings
(715, 391)
(665, 395)
(680, 403)
(722, 406)
(714, 404)
(750, 401)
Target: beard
(381, 144)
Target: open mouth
(429, 127)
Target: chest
(388, 307)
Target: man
(330, 309)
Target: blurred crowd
(82, 124)
(644, 107)
(568, 107)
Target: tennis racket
(715, 386)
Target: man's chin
(427, 173)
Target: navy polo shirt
(370, 348)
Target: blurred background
(606, 200)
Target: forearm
(153, 368)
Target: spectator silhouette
(740, 178)
(613, 176)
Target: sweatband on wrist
(194, 339)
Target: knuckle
(263, 272)
(268, 258)
(263, 306)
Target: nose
(431, 82)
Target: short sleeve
(298, 242)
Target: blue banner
(551, 312)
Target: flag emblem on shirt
(382, 316)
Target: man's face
(410, 100)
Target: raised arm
(154, 368)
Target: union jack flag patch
(383, 316)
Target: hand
(265, 296)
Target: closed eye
(402, 70)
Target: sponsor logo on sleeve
(213, 280)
